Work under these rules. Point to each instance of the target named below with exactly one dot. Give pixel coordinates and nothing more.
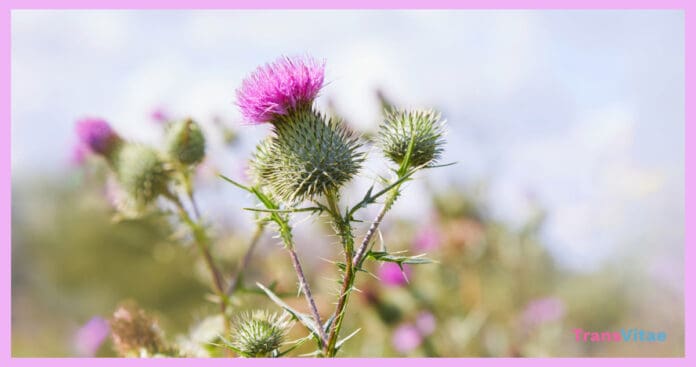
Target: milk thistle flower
(97, 135)
(276, 88)
(310, 154)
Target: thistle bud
(259, 333)
(308, 155)
(97, 136)
(186, 142)
(141, 172)
(421, 128)
(135, 333)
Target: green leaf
(340, 343)
(303, 318)
(399, 259)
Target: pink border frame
(6, 6)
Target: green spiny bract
(141, 173)
(309, 155)
(259, 333)
(186, 142)
(422, 127)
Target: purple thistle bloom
(89, 338)
(276, 88)
(406, 338)
(96, 134)
(392, 275)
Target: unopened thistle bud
(186, 142)
(141, 173)
(97, 136)
(135, 333)
(420, 129)
(309, 155)
(259, 333)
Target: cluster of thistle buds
(144, 172)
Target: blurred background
(565, 209)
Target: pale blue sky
(581, 109)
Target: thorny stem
(234, 283)
(352, 263)
(343, 228)
(365, 244)
(304, 286)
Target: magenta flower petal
(96, 134)
(276, 88)
(89, 338)
(392, 275)
(406, 338)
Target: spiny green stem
(344, 230)
(365, 244)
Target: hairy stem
(344, 230)
(304, 286)
(353, 263)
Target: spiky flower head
(308, 155)
(141, 173)
(186, 142)
(97, 135)
(278, 87)
(421, 129)
(259, 333)
(135, 333)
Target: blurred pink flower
(392, 275)
(427, 239)
(406, 338)
(425, 322)
(543, 310)
(89, 338)
(159, 115)
(276, 88)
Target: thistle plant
(303, 166)
(309, 158)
